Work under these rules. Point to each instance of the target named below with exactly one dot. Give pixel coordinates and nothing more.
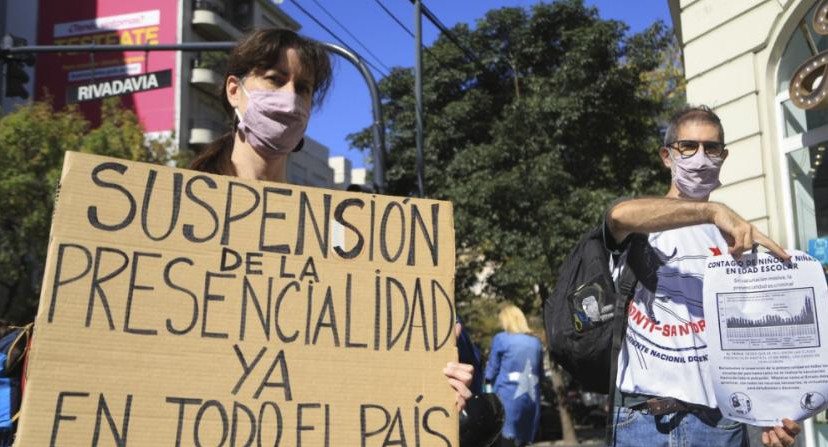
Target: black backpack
(584, 315)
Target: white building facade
(740, 57)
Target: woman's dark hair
(261, 50)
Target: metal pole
(378, 127)
(418, 93)
(7, 42)
(4, 73)
(189, 46)
(92, 68)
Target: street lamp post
(378, 128)
(418, 94)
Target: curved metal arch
(378, 126)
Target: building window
(803, 141)
(809, 186)
(804, 43)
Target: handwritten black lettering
(95, 287)
(277, 307)
(229, 217)
(390, 340)
(322, 237)
(57, 282)
(133, 286)
(208, 297)
(182, 403)
(120, 437)
(168, 281)
(266, 215)
(432, 243)
(249, 293)
(59, 416)
(339, 213)
(417, 298)
(200, 415)
(188, 229)
(178, 180)
(327, 309)
(300, 427)
(348, 342)
(384, 231)
(92, 211)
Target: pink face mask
(697, 176)
(274, 122)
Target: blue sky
(347, 107)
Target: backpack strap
(16, 352)
(626, 287)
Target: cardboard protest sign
(181, 308)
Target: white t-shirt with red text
(665, 350)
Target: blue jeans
(632, 428)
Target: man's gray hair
(697, 114)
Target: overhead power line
(335, 36)
(407, 30)
(399, 22)
(436, 22)
(344, 28)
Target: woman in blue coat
(516, 367)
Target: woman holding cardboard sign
(273, 79)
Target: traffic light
(15, 75)
(16, 80)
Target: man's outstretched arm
(652, 214)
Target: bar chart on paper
(774, 319)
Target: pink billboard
(143, 79)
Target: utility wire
(407, 30)
(436, 22)
(399, 22)
(333, 34)
(344, 28)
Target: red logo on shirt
(716, 251)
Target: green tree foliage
(34, 139)
(531, 144)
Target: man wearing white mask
(662, 398)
